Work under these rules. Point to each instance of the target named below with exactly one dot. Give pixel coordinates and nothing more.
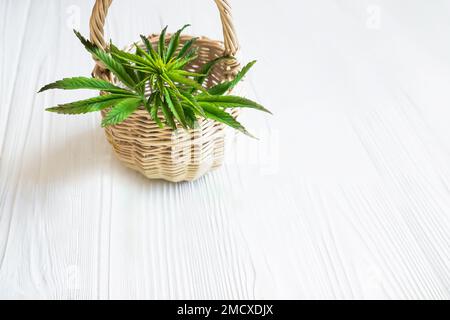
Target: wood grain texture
(345, 195)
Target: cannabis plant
(156, 79)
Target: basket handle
(100, 12)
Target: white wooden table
(345, 195)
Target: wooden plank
(345, 195)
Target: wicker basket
(172, 155)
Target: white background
(345, 195)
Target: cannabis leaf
(224, 87)
(84, 83)
(174, 43)
(89, 105)
(121, 111)
(219, 115)
(178, 97)
(108, 60)
(208, 67)
(227, 102)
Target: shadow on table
(76, 157)
(81, 156)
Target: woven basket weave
(172, 155)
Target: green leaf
(160, 86)
(177, 77)
(141, 76)
(191, 55)
(142, 83)
(113, 65)
(186, 47)
(227, 86)
(155, 109)
(230, 102)
(219, 115)
(90, 105)
(129, 61)
(87, 44)
(126, 64)
(148, 103)
(148, 70)
(121, 111)
(191, 119)
(175, 107)
(149, 46)
(207, 68)
(189, 74)
(169, 81)
(128, 57)
(168, 115)
(162, 43)
(192, 102)
(84, 83)
(174, 43)
(181, 64)
(149, 61)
